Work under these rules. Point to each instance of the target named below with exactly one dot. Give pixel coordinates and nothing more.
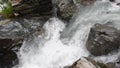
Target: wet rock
(84, 2)
(8, 58)
(65, 8)
(111, 65)
(102, 40)
(10, 44)
(19, 27)
(115, 64)
(84, 63)
(112, 0)
(34, 8)
(8, 47)
(12, 34)
(87, 2)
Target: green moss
(78, 1)
(7, 9)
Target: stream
(62, 44)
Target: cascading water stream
(47, 50)
(60, 46)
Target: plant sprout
(6, 8)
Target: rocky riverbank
(32, 15)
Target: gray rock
(19, 27)
(65, 8)
(12, 34)
(84, 63)
(103, 40)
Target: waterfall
(60, 45)
(47, 50)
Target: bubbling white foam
(51, 52)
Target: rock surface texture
(12, 35)
(103, 40)
(84, 63)
(34, 8)
(65, 8)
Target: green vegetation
(78, 1)
(6, 9)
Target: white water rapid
(60, 46)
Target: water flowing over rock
(115, 64)
(12, 34)
(49, 49)
(85, 2)
(103, 40)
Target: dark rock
(112, 0)
(4, 43)
(65, 8)
(8, 58)
(103, 40)
(9, 44)
(8, 47)
(12, 34)
(34, 8)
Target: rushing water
(60, 46)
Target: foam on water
(48, 51)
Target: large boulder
(103, 39)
